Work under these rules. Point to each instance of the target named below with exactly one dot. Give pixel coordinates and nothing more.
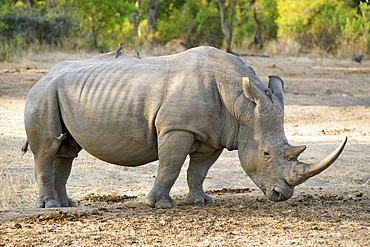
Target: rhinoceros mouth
(278, 194)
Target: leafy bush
(197, 23)
(355, 36)
(42, 25)
(245, 23)
(12, 47)
(105, 25)
(326, 24)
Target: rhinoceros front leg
(173, 147)
(197, 172)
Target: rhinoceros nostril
(276, 196)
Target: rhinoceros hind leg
(68, 150)
(44, 173)
(53, 169)
(62, 168)
(55, 194)
(197, 172)
(173, 147)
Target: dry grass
(287, 48)
(17, 189)
(17, 184)
(290, 47)
(45, 60)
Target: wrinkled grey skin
(129, 112)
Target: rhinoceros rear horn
(300, 171)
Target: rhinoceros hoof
(69, 203)
(198, 198)
(48, 203)
(159, 203)
(164, 204)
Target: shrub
(197, 23)
(327, 24)
(45, 26)
(355, 35)
(11, 47)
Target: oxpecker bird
(136, 53)
(119, 49)
(358, 58)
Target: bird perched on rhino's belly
(119, 49)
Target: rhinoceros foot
(48, 203)
(69, 203)
(155, 201)
(198, 198)
(54, 203)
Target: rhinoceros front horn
(300, 171)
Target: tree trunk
(29, 3)
(137, 18)
(53, 3)
(94, 38)
(227, 29)
(257, 39)
(152, 19)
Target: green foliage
(105, 25)
(268, 11)
(356, 31)
(42, 25)
(12, 47)
(327, 24)
(195, 22)
(292, 17)
(245, 25)
(331, 25)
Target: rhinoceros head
(264, 152)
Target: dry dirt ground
(326, 100)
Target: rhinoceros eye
(268, 93)
(266, 152)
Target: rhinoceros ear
(251, 91)
(247, 89)
(277, 86)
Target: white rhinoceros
(130, 111)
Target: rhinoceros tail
(25, 148)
